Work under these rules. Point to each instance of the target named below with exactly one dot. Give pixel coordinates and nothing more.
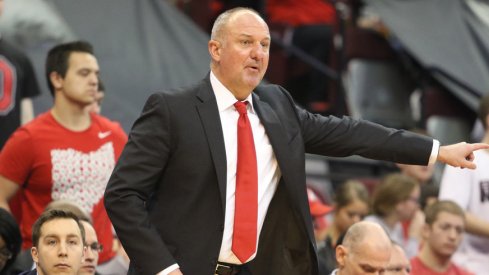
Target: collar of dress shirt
(225, 99)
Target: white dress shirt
(268, 171)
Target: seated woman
(395, 200)
(350, 206)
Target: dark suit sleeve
(345, 136)
(340, 137)
(134, 179)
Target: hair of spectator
(58, 58)
(10, 232)
(54, 215)
(348, 192)
(393, 189)
(432, 211)
(69, 206)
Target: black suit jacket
(29, 272)
(166, 196)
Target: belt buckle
(229, 269)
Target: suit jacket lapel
(275, 132)
(279, 141)
(209, 116)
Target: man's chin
(86, 271)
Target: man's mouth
(90, 268)
(254, 68)
(63, 266)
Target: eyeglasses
(95, 247)
(5, 254)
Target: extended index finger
(478, 146)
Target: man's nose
(89, 255)
(453, 234)
(62, 250)
(258, 51)
(93, 79)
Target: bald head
(399, 263)
(368, 233)
(366, 248)
(227, 17)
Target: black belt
(227, 269)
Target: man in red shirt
(66, 152)
(442, 234)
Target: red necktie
(246, 205)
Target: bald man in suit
(172, 195)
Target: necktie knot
(241, 107)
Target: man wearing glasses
(93, 248)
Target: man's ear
(341, 253)
(215, 49)
(56, 79)
(35, 255)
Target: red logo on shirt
(7, 86)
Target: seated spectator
(121, 261)
(399, 262)
(93, 247)
(396, 199)
(366, 249)
(10, 242)
(90, 259)
(442, 234)
(24, 260)
(350, 206)
(470, 190)
(58, 244)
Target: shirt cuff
(434, 152)
(169, 269)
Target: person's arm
(26, 110)
(133, 182)
(460, 154)
(476, 225)
(8, 188)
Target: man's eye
(51, 242)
